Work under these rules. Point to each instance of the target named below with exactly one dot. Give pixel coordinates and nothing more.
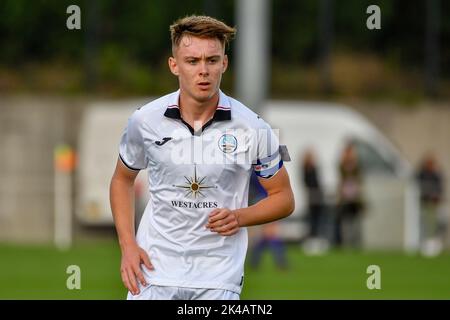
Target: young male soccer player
(199, 147)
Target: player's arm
(278, 204)
(122, 206)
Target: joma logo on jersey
(163, 141)
(194, 185)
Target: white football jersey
(191, 172)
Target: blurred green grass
(36, 272)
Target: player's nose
(204, 70)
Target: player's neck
(195, 112)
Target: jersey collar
(222, 113)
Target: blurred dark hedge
(125, 44)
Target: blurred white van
(391, 220)
(101, 128)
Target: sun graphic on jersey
(194, 185)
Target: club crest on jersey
(227, 143)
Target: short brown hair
(203, 27)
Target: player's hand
(223, 221)
(132, 258)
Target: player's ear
(173, 66)
(225, 63)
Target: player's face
(199, 64)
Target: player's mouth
(204, 85)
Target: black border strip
(129, 167)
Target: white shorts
(152, 292)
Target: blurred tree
(136, 33)
(92, 19)
(326, 18)
(432, 46)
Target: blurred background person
(314, 193)
(269, 240)
(350, 200)
(315, 242)
(431, 184)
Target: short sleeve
(131, 148)
(268, 160)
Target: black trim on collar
(222, 115)
(219, 115)
(173, 112)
